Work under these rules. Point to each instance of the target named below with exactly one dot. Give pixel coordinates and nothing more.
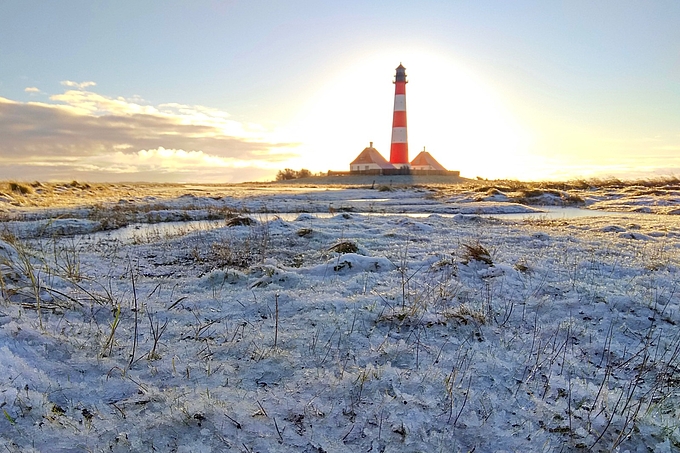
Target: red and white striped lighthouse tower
(399, 148)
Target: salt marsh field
(343, 318)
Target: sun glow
(451, 112)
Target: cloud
(86, 133)
(163, 165)
(66, 171)
(81, 85)
(32, 90)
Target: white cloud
(96, 135)
(32, 90)
(88, 102)
(81, 85)
(181, 159)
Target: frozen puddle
(559, 213)
(146, 232)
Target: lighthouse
(399, 147)
(371, 162)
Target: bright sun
(451, 112)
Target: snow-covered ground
(343, 324)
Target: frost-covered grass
(352, 331)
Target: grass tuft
(476, 252)
(304, 232)
(345, 247)
(19, 188)
(240, 221)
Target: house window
(366, 167)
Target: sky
(233, 91)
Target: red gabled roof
(426, 159)
(371, 155)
